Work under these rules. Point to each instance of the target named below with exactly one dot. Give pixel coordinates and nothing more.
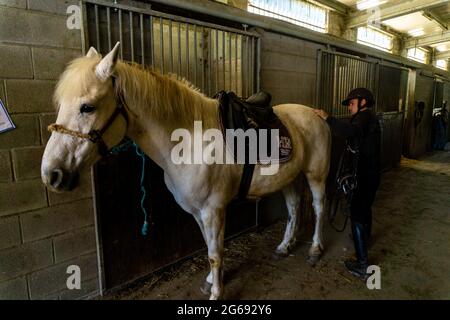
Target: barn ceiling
(422, 23)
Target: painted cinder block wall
(41, 233)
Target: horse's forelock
(76, 79)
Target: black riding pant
(363, 198)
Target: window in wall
(375, 38)
(418, 54)
(441, 64)
(297, 12)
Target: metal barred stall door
(338, 73)
(213, 58)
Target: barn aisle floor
(411, 245)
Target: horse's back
(313, 136)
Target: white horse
(88, 97)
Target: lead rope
(122, 148)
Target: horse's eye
(85, 108)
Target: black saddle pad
(254, 113)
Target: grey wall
(288, 68)
(421, 134)
(41, 233)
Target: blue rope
(144, 193)
(122, 148)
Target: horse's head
(90, 119)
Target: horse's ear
(106, 67)
(92, 53)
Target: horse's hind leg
(214, 229)
(317, 187)
(292, 198)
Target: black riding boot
(359, 267)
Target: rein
(96, 136)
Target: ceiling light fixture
(367, 4)
(416, 32)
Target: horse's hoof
(278, 255)
(312, 260)
(206, 288)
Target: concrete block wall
(41, 233)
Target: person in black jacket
(364, 131)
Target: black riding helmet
(360, 93)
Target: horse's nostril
(56, 178)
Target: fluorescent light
(367, 4)
(441, 48)
(416, 32)
(441, 64)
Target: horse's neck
(152, 130)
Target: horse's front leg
(214, 228)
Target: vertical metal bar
(108, 19)
(364, 68)
(179, 48)
(336, 85)
(187, 51)
(244, 66)
(352, 80)
(120, 33)
(249, 67)
(230, 61)
(97, 29)
(210, 62)
(252, 67)
(161, 41)
(376, 85)
(152, 42)
(325, 89)
(340, 95)
(335, 88)
(236, 63)
(358, 73)
(170, 46)
(347, 82)
(258, 64)
(195, 54)
(318, 77)
(223, 59)
(132, 36)
(335, 63)
(342, 72)
(203, 59)
(142, 39)
(217, 59)
(330, 94)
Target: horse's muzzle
(60, 180)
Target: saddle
(257, 114)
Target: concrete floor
(411, 245)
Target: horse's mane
(168, 98)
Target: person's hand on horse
(321, 113)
